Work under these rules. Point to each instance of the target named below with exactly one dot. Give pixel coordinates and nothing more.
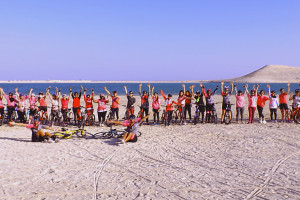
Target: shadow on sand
(16, 139)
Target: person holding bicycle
(283, 103)
(181, 104)
(240, 103)
(199, 101)
(188, 103)
(261, 101)
(21, 107)
(88, 102)
(130, 102)
(101, 108)
(155, 106)
(54, 106)
(273, 104)
(64, 100)
(32, 104)
(38, 133)
(11, 103)
(144, 101)
(252, 102)
(296, 99)
(169, 105)
(115, 102)
(76, 103)
(132, 125)
(210, 106)
(226, 99)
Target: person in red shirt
(42, 102)
(169, 105)
(64, 99)
(261, 101)
(283, 103)
(88, 102)
(76, 103)
(114, 103)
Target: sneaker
(122, 141)
(275, 121)
(260, 121)
(264, 122)
(51, 140)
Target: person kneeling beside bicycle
(38, 134)
(132, 125)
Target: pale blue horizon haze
(133, 40)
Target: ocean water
(168, 88)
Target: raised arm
(288, 90)
(231, 83)
(125, 88)
(48, 93)
(222, 84)
(140, 89)
(151, 93)
(183, 87)
(162, 94)
(269, 93)
(148, 85)
(291, 96)
(235, 89)
(17, 94)
(143, 119)
(246, 89)
(107, 91)
(256, 89)
(30, 92)
(1, 93)
(215, 90)
(81, 89)
(192, 89)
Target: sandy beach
(203, 161)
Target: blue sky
(146, 39)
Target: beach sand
(203, 161)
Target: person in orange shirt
(76, 103)
(88, 102)
(169, 105)
(261, 101)
(115, 102)
(283, 103)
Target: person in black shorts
(130, 102)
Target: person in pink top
(240, 103)
(32, 104)
(101, 108)
(1, 105)
(252, 99)
(21, 108)
(11, 103)
(155, 105)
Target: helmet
(33, 94)
(130, 92)
(132, 117)
(36, 118)
(198, 92)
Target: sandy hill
(271, 74)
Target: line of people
(60, 102)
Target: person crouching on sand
(132, 125)
(38, 134)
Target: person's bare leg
(129, 136)
(40, 133)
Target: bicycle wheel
(163, 116)
(90, 120)
(227, 117)
(196, 117)
(297, 117)
(59, 135)
(138, 133)
(110, 116)
(214, 118)
(175, 116)
(14, 116)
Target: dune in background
(270, 74)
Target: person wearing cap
(169, 105)
(43, 103)
(226, 94)
(101, 108)
(199, 101)
(273, 104)
(240, 103)
(132, 125)
(155, 106)
(210, 106)
(21, 107)
(115, 102)
(38, 131)
(296, 99)
(76, 103)
(32, 104)
(144, 101)
(11, 103)
(130, 102)
(64, 100)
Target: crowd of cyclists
(31, 105)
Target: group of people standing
(202, 98)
